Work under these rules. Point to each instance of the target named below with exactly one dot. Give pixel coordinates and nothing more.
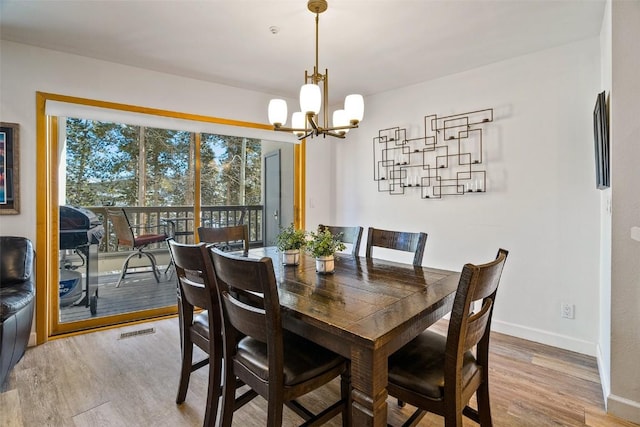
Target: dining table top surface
(367, 300)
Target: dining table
(365, 310)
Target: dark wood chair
(398, 240)
(136, 238)
(277, 364)
(349, 235)
(226, 238)
(197, 290)
(439, 374)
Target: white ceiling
(369, 46)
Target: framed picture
(9, 165)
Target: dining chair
(277, 364)
(349, 235)
(439, 374)
(226, 238)
(136, 238)
(397, 240)
(196, 289)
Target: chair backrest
(398, 240)
(121, 226)
(239, 280)
(467, 328)
(196, 280)
(226, 235)
(349, 235)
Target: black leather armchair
(17, 294)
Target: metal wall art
(447, 160)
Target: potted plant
(289, 241)
(322, 246)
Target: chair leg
(274, 412)
(452, 408)
(186, 349)
(185, 370)
(484, 408)
(125, 267)
(345, 394)
(275, 405)
(139, 253)
(154, 265)
(228, 395)
(169, 268)
(213, 390)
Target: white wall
(542, 203)
(624, 399)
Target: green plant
(323, 243)
(290, 238)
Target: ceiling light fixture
(314, 95)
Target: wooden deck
(137, 292)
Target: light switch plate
(635, 233)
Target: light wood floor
(101, 379)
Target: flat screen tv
(601, 141)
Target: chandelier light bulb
(277, 112)
(298, 122)
(340, 118)
(310, 99)
(354, 106)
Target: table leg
(369, 382)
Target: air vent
(138, 332)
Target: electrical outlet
(567, 310)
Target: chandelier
(314, 95)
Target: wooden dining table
(367, 309)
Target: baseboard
(623, 408)
(545, 337)
(33, 339)
(603, 370)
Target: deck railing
(177, 221)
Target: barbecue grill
(80, 230)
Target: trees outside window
(231, 170)
(126, 165)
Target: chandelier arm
(342, 127)
(312, 122)
(334, 134)
(288, 129)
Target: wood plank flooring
(101, 379)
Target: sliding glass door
(166, 181)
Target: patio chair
(136, 239)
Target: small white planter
(325, 264)
(291, 257)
